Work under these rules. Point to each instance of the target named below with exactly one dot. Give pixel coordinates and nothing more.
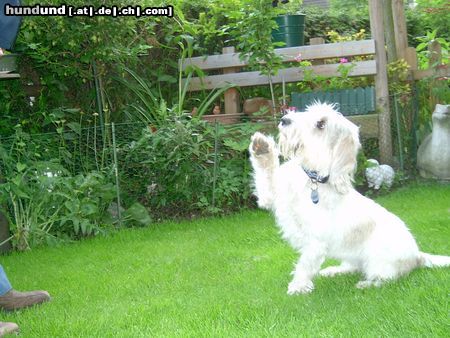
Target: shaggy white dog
(317, 209)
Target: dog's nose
(285, 121)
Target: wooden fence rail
(231, 59)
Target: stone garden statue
(433, 156)
(379, 175)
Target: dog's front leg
(306, 268)
(265, 160)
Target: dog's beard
(315, 157)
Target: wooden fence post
(434, 62)
(231, 96)
(411, 58)
(381, 81)
(317, 41)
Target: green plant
(86, 199)
(252, 32)
(398, 72)
(431, 90)
(150, 107)
(424, 54)
(73, 62)
(233, 188)
(360, 174)
(188, 167)
(173, 166)
(334, 36)
(355, 8)
(313, 82)
(27, 191)
(320, 21)
(434, 15)
(45, 202)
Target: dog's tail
(429, 261)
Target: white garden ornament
(379, 175)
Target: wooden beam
(389, 33)
(381, 81)
(442, 71)
(401, 34)
(232, 102)
(9, 76)
(324, 51)
(411, 58)
(368, 124)
(223, 118)
(293, 74)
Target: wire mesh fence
(185, 168)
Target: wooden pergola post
(381, 81)
(401, 36)
(389, 31)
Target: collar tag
(315, 179)
(314, 196)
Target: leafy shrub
(175, 164)
(434, 15)
(188, 166)
(44, 203)
(318, 22)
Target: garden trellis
(380, 123)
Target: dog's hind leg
(265, 160)
(379, 273)
(332, 271)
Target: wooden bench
(230, 65)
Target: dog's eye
(320, 124)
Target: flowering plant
(312, 82)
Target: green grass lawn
(227, 277)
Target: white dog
(317, 209)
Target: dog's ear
(344, 154)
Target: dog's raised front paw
(300, 287)
(260, 144)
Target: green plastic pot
(291, 30)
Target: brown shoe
(7, 328)
(15, 300)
